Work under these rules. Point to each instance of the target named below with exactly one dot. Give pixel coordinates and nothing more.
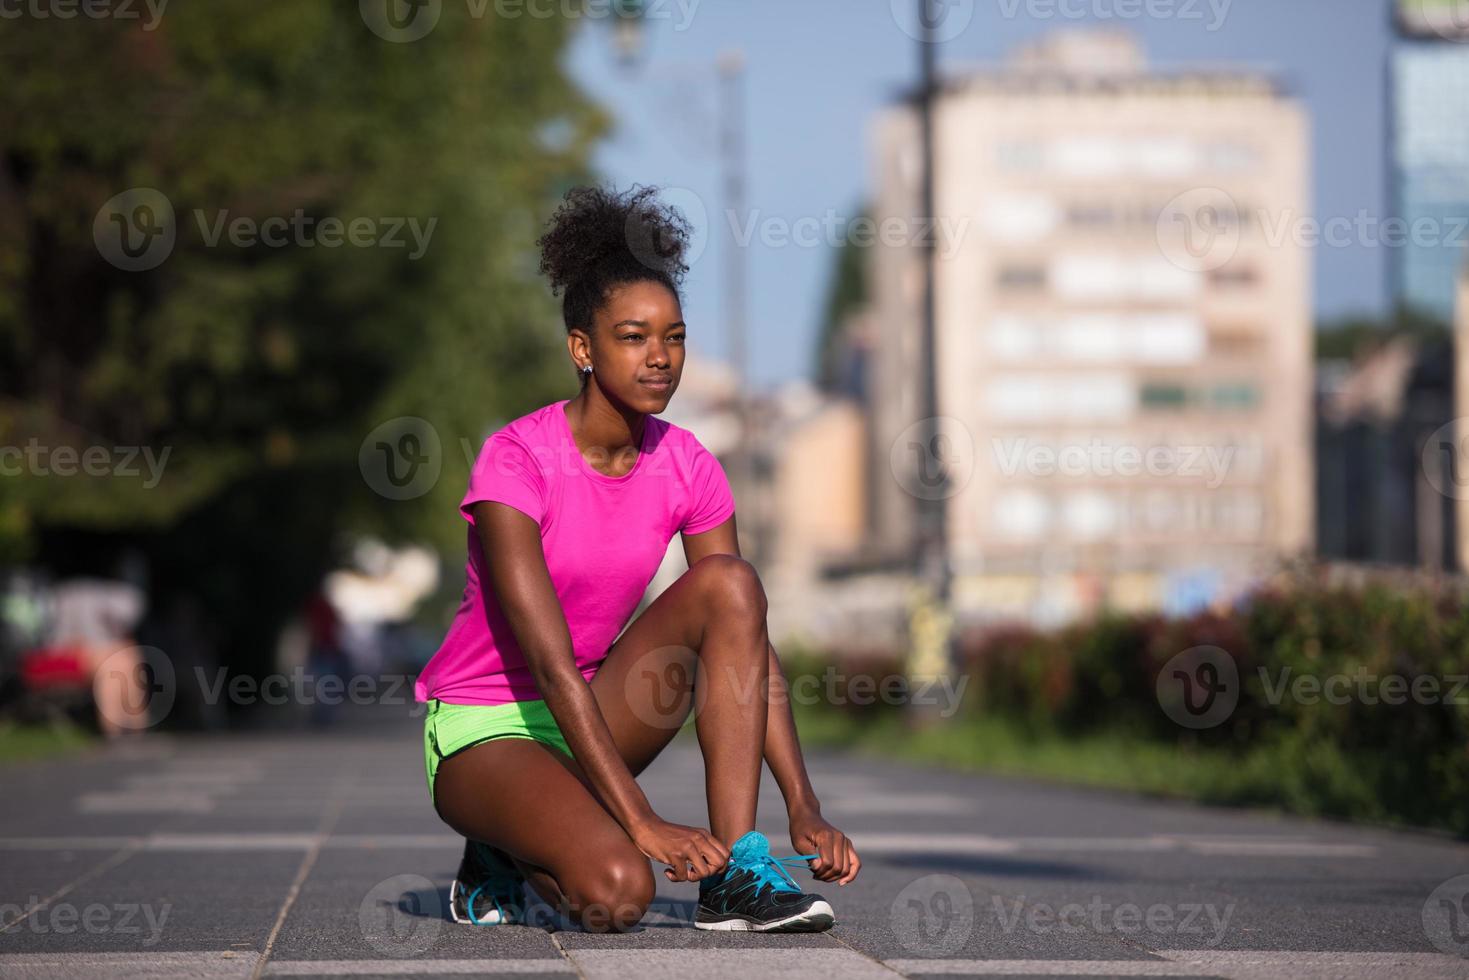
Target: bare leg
(530, 801)
(703, 641)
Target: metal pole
(933, 540)
(736, 275)
(930, 624)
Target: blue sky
(817, 70)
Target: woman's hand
(691, 852)
(837, 859)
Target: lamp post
(627, 31)
(931, 620)
(731, 66)
(629, 46)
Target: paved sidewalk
(310, 854)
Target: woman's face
(638, 351)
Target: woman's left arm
(810, 833)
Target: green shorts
(450, 728)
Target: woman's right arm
(517, 568)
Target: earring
(586, 369)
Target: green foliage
(32, 743)
(1352, 337)
(846, 292)
(261, 369)
(1327, 720)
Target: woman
(537, 720)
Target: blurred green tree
(846, 292)
(260, 368)
(1350, 337)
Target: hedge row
(1345, 699)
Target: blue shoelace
(498, 907)
(752, 853)
(771, 870)
(498, 882)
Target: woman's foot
(488, 890)
(755, 893)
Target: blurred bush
(1294, 739)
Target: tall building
(1123, 331)
(1429, 155)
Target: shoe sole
(818, 918)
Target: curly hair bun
(599, 238)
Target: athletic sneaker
(488, 890)
(755, 893)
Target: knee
(732, 584)
(614, 894)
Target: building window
(1242, 395)
(1233, 277)
(1090, 216)
(1027, 156)
(1235, 344)
(1232, 157)
(1021, 277)
(1163, 396)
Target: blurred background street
(237, 856)
(1092, 377)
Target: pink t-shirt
(604, 538)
